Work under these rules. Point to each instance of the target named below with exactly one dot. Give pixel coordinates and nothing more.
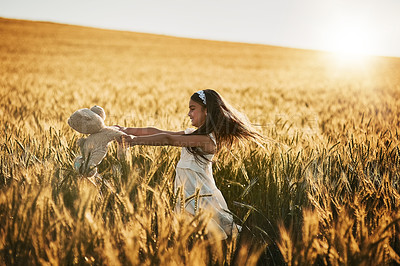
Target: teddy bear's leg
(121, 152)
(96, 156)
(92, 171)
(81, 165)
(93, 159)
(78, 162)
(88, 168)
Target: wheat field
(324, 191)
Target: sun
(350, 36)
(351, 41)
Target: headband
(202, 96)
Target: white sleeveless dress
(192, 175)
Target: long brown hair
(228, 125)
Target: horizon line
(195, 38)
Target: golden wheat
(325, 190)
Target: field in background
(324, 191)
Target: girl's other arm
(145, 131)
(161, 139)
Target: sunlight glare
(350, 60)
(351, 42)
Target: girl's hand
(123, 129)
(126, 140)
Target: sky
(370, 27)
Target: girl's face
(197, 113)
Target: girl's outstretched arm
(166, 139)
(144, 131)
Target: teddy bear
(94, 147)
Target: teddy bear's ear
(86, 121)
(100, 111)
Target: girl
(217, 124)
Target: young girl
(217, 124)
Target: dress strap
(189, 130)
(213, 138)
